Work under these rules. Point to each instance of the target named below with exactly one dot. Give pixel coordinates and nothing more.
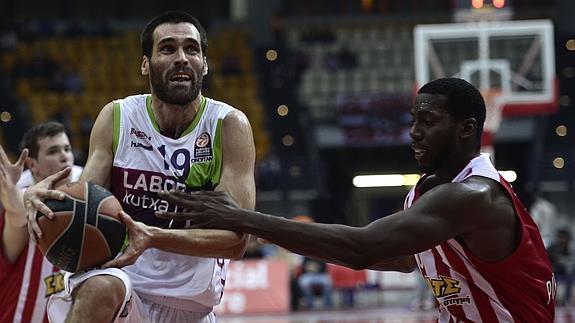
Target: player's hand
(139, 239)
(13, 171)
(10, 196)
(34, 200)
(204, 209)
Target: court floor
(383, 315)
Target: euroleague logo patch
(203, 146)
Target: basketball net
(494, 107)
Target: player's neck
(454, 166)
(172, 119)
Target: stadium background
(294, 67)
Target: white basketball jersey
(146, 162)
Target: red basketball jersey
(26, 284)
(520, 288)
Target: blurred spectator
(561, 255)
(544, 213)
(313, 277)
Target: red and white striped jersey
(26, 284)
(520, 288)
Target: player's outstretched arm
(446, 211)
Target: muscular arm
(237, 178)
(405, 264)
(444, 212)
(100, 155)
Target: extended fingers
(179, 198)
(22, 158)
(33, 228)
(55, 178)
(3, 157)
(43, 208)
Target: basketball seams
(81, 253)
(102, 201)
(85, 219)
(70, 231)
(54, 241)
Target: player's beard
(178, 95)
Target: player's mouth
(181, 78)
(418, 152)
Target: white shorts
(134, 308)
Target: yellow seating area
(241, 89)
(109, 68)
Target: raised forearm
(200, 243)
(15, 234)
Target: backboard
(512, 62)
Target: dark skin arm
(477, 212)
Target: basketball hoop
(494, 103)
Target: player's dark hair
(170, 17)
(463, 100)
(38, 132)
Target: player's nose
(415, 133)
(181, 57)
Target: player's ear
(145, 66)
(205, 69)
(468, 127)
(32, 164)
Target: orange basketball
(86, 230)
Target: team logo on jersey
(446, 290)
(202, 146)
(139, 134)
(54, 283)
(443, 286)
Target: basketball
(85, 231)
